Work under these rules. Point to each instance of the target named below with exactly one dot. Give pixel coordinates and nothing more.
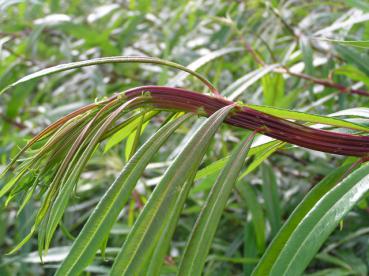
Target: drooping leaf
(257, 219)
(156, 260)
(202, 61)
(99, 224)
(200, 239)
(312, 221)
(271, 198)
(146, 231)
(107, 60)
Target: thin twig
(324, 82)
(13, 122)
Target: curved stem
(163, 97)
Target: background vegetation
(307, 56)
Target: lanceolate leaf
(202, 61)
(357, 112)
(261, 156)
(353, 43)
(106, 60)
(257, 215)
(354, 57)
(146, 231)
(99, 224)
(200, 239)
(65, 167)
(253, 79)
(271, 199)
(312, 221)
(76, 169)
(126, 130)
(301, 116)
(161, 249)
(216, 166)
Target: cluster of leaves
(154, 190)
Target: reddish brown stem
(184, 100)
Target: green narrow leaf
(271, 198)
(98, 226)
(298, 214)
(253, 78)
(156, 260)
(257, 215)
(107, 60)
(301, 116)
(250, 249)
(199, 242)
(355, 57)
(353, 73)
(354, 43)
(261, 156)
(146, 231)
(216, 166)
(133, 139)
(273, 89)
(126, 129)
(202, 61)
(53, 206)
(312, 221)
(161, 248)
